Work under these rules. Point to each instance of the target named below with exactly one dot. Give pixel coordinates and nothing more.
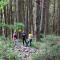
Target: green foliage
(35, 44)
(3, 3)
(49, 48)
(10, 54)
(2, 38)
(3, 25)
(6, 49)
(50, 38)
(50, 54)
(19, 26)
(16, 26)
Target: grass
(50, 47)
(35, 44)
(6, 50)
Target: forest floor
(18, 51)
(24, 53)
(47, 47)
(42, 48)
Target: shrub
(6, 50)
(51, 47)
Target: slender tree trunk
(1, 22)
(58, 18)
(34, 18)
(38, 21)
(46, 29)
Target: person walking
(30, 38)
(24, 37)
(15, 38)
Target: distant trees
(39, 16)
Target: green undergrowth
(49, 48)
(6, 49)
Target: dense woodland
(39, 17)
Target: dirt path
(24, 52)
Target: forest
(29, 29)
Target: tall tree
(38, 20)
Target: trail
(24, 52)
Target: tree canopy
(3, 3)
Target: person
(15, 38)
(24, 37)
(30, 38)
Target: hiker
(29, 40)
(24, 37)
(15, 38)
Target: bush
(53, 54)
(51, 47)
(35, 44)
(6, 50)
